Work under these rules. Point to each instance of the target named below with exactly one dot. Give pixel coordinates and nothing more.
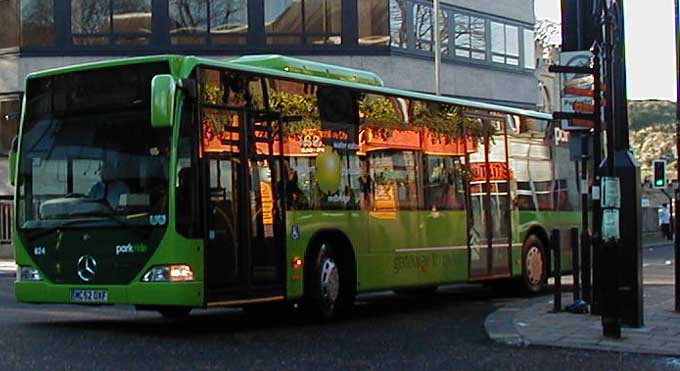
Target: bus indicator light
(298, 263)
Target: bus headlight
(169, 273)
(28, 274)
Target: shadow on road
(371, 308)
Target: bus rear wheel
(174, 312)
(534, 265)
(328, 291)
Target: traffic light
(659, 180)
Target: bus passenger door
(489, 232)
(244, 254)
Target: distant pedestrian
(665, 220)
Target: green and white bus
(176, 182)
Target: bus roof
(296, 69)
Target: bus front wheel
(328, 292)
(534, 265)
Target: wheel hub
(330, 282)
(534, 265)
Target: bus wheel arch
(330, 257)
(535, 260)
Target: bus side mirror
(13, 161)
(163, 89)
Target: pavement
(531, 322)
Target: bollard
(576, 264)
(555, 247)
(611, 308)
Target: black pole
(575, 264)
(677, 145)
(623, 165)
(555, 246)
(593, 290)
(582, 269)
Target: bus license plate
(89, 296)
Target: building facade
(487, 47)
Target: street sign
(578, 103)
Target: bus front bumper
(140, 293)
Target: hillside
(652, 133)
(647, 113)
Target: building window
(106, 22)
(223, 21)
(398, 24)
(373, 23)
(529, 50)
(313, 22)
(470, 39)
(504, 44)
(37, 23)
(422, 26)
(9, 18)
(10, 110)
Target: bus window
(186, 195)
(443, 187)
(395, 180)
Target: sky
(650, 45)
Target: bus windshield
(88, 152)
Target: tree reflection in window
(470, 37)
(37, 23)
(194, 22)
(303, 21)
(104, 22)
(398, 24)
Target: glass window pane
(283, 16)
(37, 23)
(462, 30)
(398, 29)
(9, 18)
(132, 17)
(497, 38)
(229, 21)
(373, 23)
(529, 50)
(422, 26)
(229, 16)
(323, 16)
(444, 22)
(478, 34)
(188, 16)
(512, 41)
(90, 17)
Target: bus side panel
(548, 220)
(431, 251)
(302, 226)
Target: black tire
(174, 312)
(329, 285)
(534, 265)
(417, 291)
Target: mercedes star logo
(87, 268)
